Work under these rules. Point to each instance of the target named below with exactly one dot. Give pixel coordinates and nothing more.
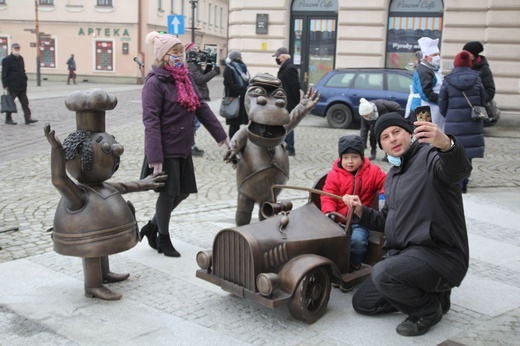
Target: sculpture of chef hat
(428, 46)
(90, 107)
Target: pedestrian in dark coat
(71, 66)
(480, 64)
(288, 74)
(456, 109)
(236, 80)
(14, 81)
(170, 102)
(201, 78)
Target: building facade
(104, 35)
(326, 34)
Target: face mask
(175, 61)
(436, 60)
(278, 61)
(396, 161)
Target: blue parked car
(342, 89)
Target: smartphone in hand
(423, 113)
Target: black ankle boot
(164, 244)
(150, 231)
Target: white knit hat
(365, 107)
(162, 43)
(428, 46)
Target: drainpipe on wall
(140, 41)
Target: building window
(172, 6)
(221, 17)
(210, 17)
(159, 5)
(104, 56)
(46, 2)
(407, 23)
(2, 2)
(104, 2)
(48, 52)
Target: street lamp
(38, 54)
(193, 5)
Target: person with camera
(195, 59)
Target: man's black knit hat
(387, 120)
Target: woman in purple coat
(463, 82)
(170, 103)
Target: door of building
(313, 39)
(314, 46)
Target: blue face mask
(175, 60)
(396, 161)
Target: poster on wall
(408, 21)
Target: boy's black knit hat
(351, 144)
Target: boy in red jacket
(352, 174)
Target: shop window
(48, 52)
(104, 56)
(408, 21)
(4, 44)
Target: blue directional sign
(175, 24)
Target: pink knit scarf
(185, 92)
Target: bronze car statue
(92, 220)
(258, 151)
(292, 257)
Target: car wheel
(339, 116)
(311, 297)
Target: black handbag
(478, 113)
(492, 109)
(8, 105)
(230, 107)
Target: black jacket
(288, 74)
(202, 77)
(233, 89)
(481, 64)
(423, 216)
(13, 73)
(383, 107)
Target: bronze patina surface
(92, 219)
(258, 151)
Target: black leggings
(163, 209)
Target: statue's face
(267, 114)
(106, 152)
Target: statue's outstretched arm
(237, 143)
(150, 182)
(73, 195)
(307, 102)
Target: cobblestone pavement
(28, 201)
